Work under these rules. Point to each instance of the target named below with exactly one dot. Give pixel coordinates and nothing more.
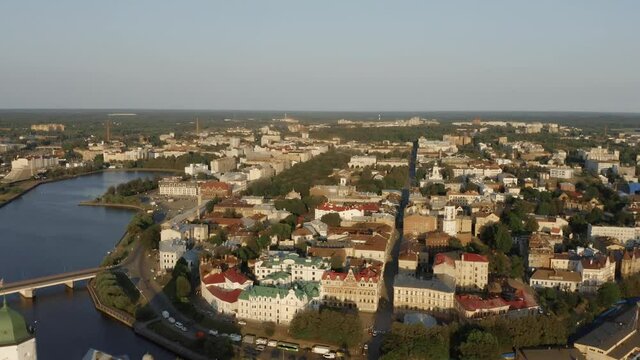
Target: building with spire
(17, 342)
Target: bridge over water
(27, 288)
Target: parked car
(242, 322)
(261, 341)
(272, 343)
(260, 347)
(171, 320)
(165, 314)
(329, 355)
(213, 332)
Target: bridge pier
(69, 284)
(27, 293)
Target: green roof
(278, 275)
(277, 261)
(310, 289)
(13, 328)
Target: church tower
(17, 342)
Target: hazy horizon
(357, 56)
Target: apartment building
(197, 169)
(561, 173)
(300, 268)
(221, 289)
(470, 271)
(357, 288)
(277, 304)
(47, 127)
(621, 233)
(360, 161)
(223, 165)
(436, 294)
(212, 189)
(174, 186)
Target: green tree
(282, 231)
(269, 328)
(150, 237)
(517, 267)
(530, 224)
(183, 287)
(331, 219)
(294, 206)
(608, 294)
(479, 345)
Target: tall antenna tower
(108, 130)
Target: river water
(46, 232)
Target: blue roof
(634, 187)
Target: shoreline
(69, 177)
(112, 205)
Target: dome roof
(13, 328)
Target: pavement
(384, 315)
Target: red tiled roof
(474, 257)
(229, 296)
(215, 185)
(473, 302)
(443, 258)
(231, 274)
(367, 274)
(363, 207)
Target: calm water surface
(46, 232)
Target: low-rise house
(630, 263)
(170, 251)
(483, 219)
(616, 337)
(558, 279)
(541, 249)
(474, 307)
(596, 271)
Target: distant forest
(238, 118)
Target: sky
(321, 55)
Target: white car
(272, 343)
(178, 324)
(329, 355)
(165, 314)
(213, 332)
(172, 320)
(262, 341)
(242, 322)
(260, 347)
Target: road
(139, 269)
(384, 315)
